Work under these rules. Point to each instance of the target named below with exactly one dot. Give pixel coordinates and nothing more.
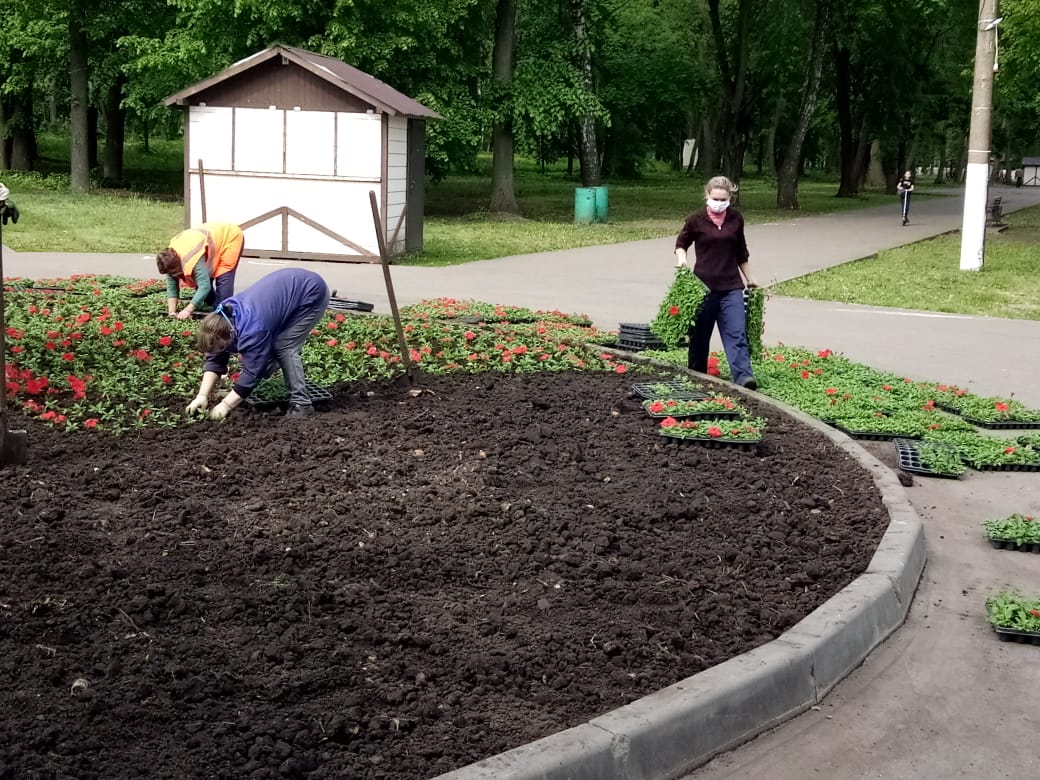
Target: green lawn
(926, 276)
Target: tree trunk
(79, 102)
(787, 175)
(770, 142)
(849, 183)
(940, 176)
(22, 128)
(503, 190)
(92, 136)
(706, 165)
(734, 82)
(115, 131)
(588, 146)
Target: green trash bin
(601, 203)
(584, 205)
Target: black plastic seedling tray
(1011, 544)
(1006, 467)
(345, 304)
(1014, 635)
(315, 392)
(680, 391)
(997, 425)
(910, 459)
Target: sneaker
(749, 383)
(299, 410)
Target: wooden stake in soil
(13, 444)
(406, 361)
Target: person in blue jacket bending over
(267, 325)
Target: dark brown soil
(397, 586)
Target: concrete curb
(675, 730)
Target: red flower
(1000, 406)
(91, 423)
(166, 379)
(620, 368)
(145, 412)
(119, 325)
(16, 350)
(886, 387)
(673, 311)
(669, 422)
(331, 325)
(84, 317)
(469, 335)
(49, 345)
(507, 357)
(519, 350)
(372, 351)
(165, 341)
(824, 353)
(543, 356)
(68, 356)
(105, 330)
(1009, 450)
(656, 406)
(332, 342)
(831, 390)
(714, 432)
(805, 375)
(1034, 613)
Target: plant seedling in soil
(750, 429)
(719, 405)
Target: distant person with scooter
(904, 188)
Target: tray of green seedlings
(714, 432)
(930, 459)
(1014, 532)
(720, 406)
(274, 391)
(989, 453)
(995, 413)
(679, 390)
(1014, 617)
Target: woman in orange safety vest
(219, 247)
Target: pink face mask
(717, 206)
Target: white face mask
(717, 206)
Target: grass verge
(926, 276)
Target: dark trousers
(222, 289)
(904, 199)
(288, 346)
(726, 309)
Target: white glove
(680, 261)
(198, 405)
(219, 412)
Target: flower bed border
(910, 459)
(1011, 544)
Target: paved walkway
(942, 698)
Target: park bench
(995, 212)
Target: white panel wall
(310, 142)
(259, 140)
(341, 206)
(359, 146)
(209, 138)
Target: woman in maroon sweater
(717, 236)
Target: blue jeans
(726, 309)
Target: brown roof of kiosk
(338, 73)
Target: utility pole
(976, 190)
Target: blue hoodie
(259, 314)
